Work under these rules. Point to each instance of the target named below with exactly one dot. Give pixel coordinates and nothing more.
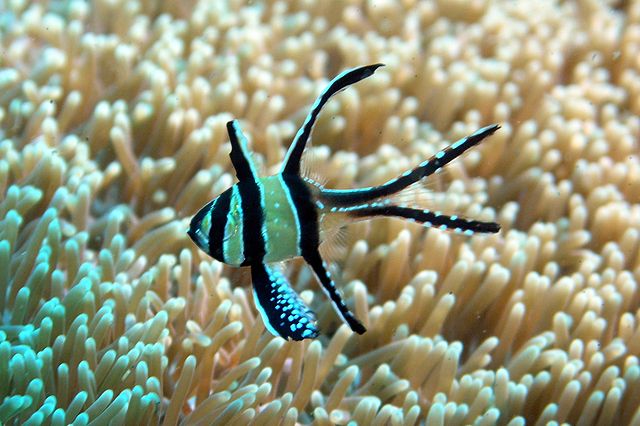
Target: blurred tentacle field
(113, 134)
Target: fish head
(215, 224)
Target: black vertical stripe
(307, 213)
(252, 221)
(309, 242)
(219, 214)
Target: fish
(261, 221)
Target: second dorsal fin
(341, 81)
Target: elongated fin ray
(294, 155)
(433, 219)
(240, 156)
(347, 197)
(283, 312)
(317, 264)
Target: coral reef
(112, 134)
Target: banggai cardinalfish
(261, 220)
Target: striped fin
(320, 268)
(347, 197)
(283, 312)
(341, 81)
(250, 208)
(428, 218)
(240, 156)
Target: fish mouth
(192, 234)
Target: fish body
(262, 220)
(280, 225)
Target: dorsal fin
(240, 156)
(341, 81)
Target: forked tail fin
(354, 197)
(454, 223)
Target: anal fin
(283, 312)
(312, 257)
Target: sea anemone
(112, 134)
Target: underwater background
(112, 135)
